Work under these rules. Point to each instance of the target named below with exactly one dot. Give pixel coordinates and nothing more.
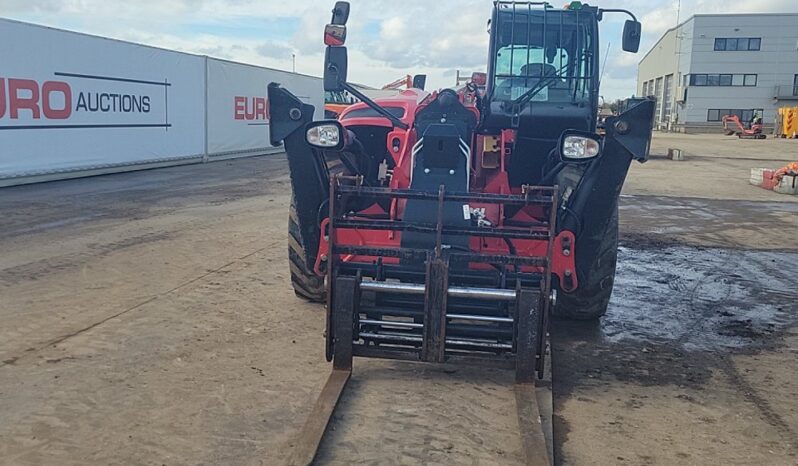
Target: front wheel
(306, 283)
(591, 298)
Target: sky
(386, 39)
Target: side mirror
(631, 36)
(419, 81)
(334, 35)
(327, 135)
(340, 13)
(579, 146)
(335, 62)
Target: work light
(326, 135)
(579, 147)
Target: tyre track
(724, 361)
(15, 359)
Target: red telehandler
(446, 227)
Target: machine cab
(542, 65)
(542, 79)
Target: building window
(795, 85)
(723, 79)
(745, 115)
(731, 44)
(698, 80)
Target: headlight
(579, 148)
(326, 135)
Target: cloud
(16, 6)
(274, 50)
(460, 41)
(387, 39)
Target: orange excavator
(405, 81)
(732, 125)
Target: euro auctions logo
(254, 110)
(71, 100)
(38, 101)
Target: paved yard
(147, 319)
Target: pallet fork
(417, 305)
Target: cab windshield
(335, 97)
(543, 55)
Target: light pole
(293, 62)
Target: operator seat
(530, 75)
(536, 72)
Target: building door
(667, 101)
(658, 109)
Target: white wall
(73, 104)
(663, 60)
(776, 63)
(238, 114)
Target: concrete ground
(716, 167)
(147, 319)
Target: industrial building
(719, 64)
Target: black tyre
(306, 283)
(590, 300)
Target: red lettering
(250, 115)
(56, 113)
(240, 107)
(2, 97)
(260, 108)
(17, 103)
(251, 108)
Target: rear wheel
(306, 283)
(590, 300)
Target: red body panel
(488, 175)
(409, 100)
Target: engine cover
(441, 157)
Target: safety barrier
(787, 122)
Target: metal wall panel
(74, 105)
(76, 102)
(238, 113)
